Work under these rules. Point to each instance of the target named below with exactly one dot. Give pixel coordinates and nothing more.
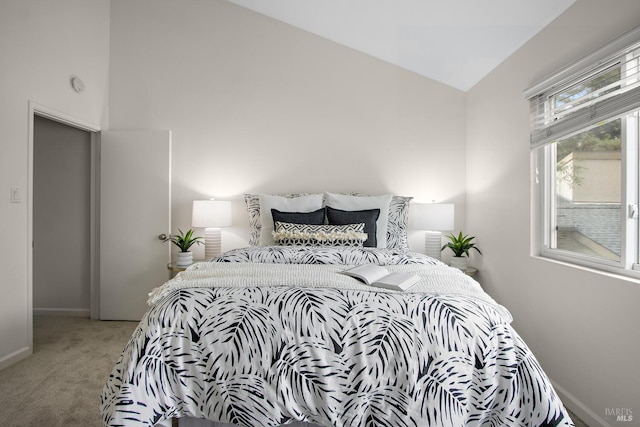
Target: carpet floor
(60, 384)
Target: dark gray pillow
(313, 218)
(368, 216)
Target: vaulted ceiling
(456, 42)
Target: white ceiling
(456, 42)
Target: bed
(276, 334)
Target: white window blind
(603, 85)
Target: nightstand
(471, 271)
(174, 268)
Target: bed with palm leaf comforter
(275, 335)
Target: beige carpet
(60, 384)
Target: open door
(135, 209)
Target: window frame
(630, 238)
(544, 156)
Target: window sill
(632, 276)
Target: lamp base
(433, 244)
(212, 243)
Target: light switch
(15, 195)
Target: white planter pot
(459, 262)
(185, 259)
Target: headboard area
(385, 217)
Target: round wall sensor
(77, 84)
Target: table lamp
(434, 218)
(211, 215)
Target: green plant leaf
(461, 244)
(184, 241)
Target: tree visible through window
(588, 192)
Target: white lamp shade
(433, 216)
(211, 213)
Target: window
(585, 139)
(585, 192)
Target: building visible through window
(588, 173)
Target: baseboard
(15, 357)
(579, 408)
(68, 312)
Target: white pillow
(357, 203)
(309, 203)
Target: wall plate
(15, 195)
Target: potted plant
(460, 245)
(184, 241)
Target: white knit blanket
(435, 279)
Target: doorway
(61, 219)
(37, 111)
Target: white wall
(582, 325)
(255, 105)
(42, 43)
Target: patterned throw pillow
(307, 203)
(368, 217)
(288, 234)
(397, 224)
(396, 227)
(357, 202)
(253, 209)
